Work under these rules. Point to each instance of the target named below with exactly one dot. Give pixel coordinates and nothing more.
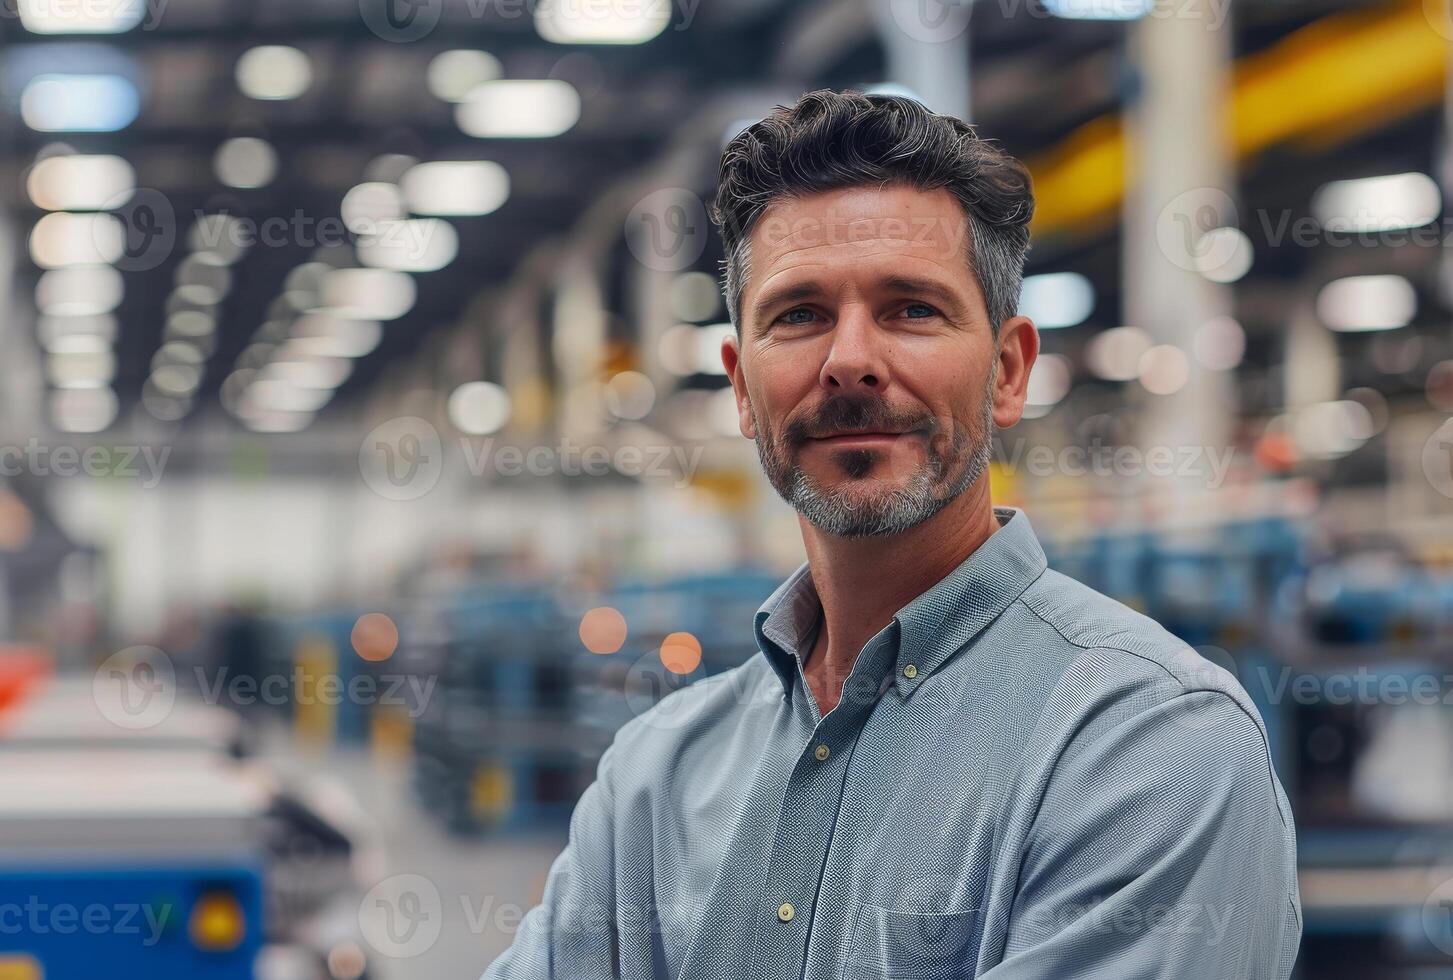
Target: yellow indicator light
(217, 923)
(20, 967)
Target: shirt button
(910, 671)
(822, 753)
(786, 912)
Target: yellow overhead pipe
(1321, 85)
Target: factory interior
(367, 458)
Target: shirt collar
(930, 628)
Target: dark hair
(832, 140)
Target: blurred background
(366, 459)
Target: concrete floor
(464, 895)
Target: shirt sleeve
(1162, 848)
(572, 933)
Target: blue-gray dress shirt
(1023, 779)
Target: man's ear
(731, 359)
(1018, 349)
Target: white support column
(1180, 186)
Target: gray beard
(841, 512)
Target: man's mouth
(846, 438)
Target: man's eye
(917, 311)
(798, 317)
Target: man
(948, 761)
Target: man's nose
(855, 362)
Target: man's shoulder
(1126, 678)
(1106, 637)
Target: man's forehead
(900, 218)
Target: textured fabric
(1060, 789)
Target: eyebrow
(894, 283)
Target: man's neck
(863, 582)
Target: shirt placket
(810, 809)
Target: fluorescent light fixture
(83, 409)
(708, 347)
(58, 103)
(1099, 9)
(308, 371)
(245, 162)
(1361, 303)
(274, 72)
(411, 245)
(456, 187)
(479, 408)
(62, 238)
(1056, 299)
(367, 204)
(81, 369)
(1164, 369)
(601, 21)
(519, 109)
(76, 182)
(1369, 204)
(1049, 381)
(272, 394)
(79, 290)
(57, 332)
(1219, 344)
(1223, 254)
(71, 17)
(452, 74)
(176, 380)
(334, 336)
(368, 294)
(1115, 354)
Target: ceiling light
(519, 108)
(370, 203)
(62, 238)
(79, 290)
(411, 245)
(368, 294)
(602, 22)
(245, 162)
(1377, 203)
(75, 182)
(79, 103)
(83, 409)
(453, 73)
(462, 187)
(1360, 303)
(1056, 299)
(479, 408)
(274, 72)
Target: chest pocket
(890, 945)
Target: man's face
(867, 369)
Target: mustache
(843, 413)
